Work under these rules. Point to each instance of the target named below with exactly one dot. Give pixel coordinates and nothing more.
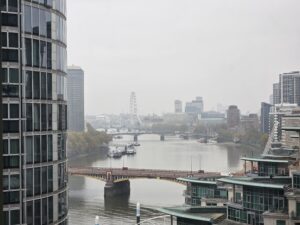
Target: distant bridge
(117, 179)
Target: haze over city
(172, 49)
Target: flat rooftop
(208, 214)
(265, 160)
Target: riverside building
(34, 112)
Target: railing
(156, 220)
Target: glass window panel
(35, 21)
(43, 54)
(4, 39)
(36, 85)
(13, 40)
(10, 90)
(44, 116)
(50, 209)
(5, 75)
(44, 148)
(44, 180)
(43, 85)
(29, 117)
(37, 116)
(3, 5)
(29, 150)
(36, 53)
(13, 5)
(14, 111)
(28, 84)
(49, 55)
(5, 146)
(44, 211)
(13, 75)
(50, 178)
(9, 20)
(28, 46)
(10, 55)
(5, 111)
(27, 13)
(29, 209)
(48, 22)
(37, 181)
(29, 182)
(37, 212)
(37, 148)
(49, 86)
(5, 183)
(43, 23)
(14, 182)
(10, 126)
(50, 148)
(14, 146)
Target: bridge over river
(117, 179)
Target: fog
(228, 52)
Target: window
(9, 20)
(29, 182)
(298, 209)
(49, 117)
(28, 85)
(11, 197)
(5, 75)
(14, 111)
(43, 54)
(37, 148)
(44, 148)
(29, 117)
(14, 146)
(36, 53)
(10, 91)
(29, 150)
(37, 181)
(28, 47)
(13, 5)
(49, 86)
(37, 211)
(5, 146)
(13, 40)
(50, 178)
(37, 116)
(35, 21)
(43, 23)
(10, 55)
(44, 211)
(4, 39)
(29, 209)
(36, 85)
(43, 85)
(44, 117)
(14, 182)
(5, 183)
(280, 222)
(10, 126)
(44, 180)
(13, 75)
(28, 26)
(11, 162)
(50, 209)
(5, 110)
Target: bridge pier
(162, 137)
(117, 188)
(135, 138)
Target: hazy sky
(228, 51)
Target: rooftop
(264, 160)
(199, 181)
(208, 214)
(263, 182)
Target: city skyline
(167, 50)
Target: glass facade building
(34, 111)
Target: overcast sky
(228, 51)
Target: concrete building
(233, 116)
(75, 81)
(178, 106)
(265, 117)
(195, 107)
(290, 87)
(212, 118)
(34, 112)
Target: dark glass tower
(34, 111)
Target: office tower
(75, 89)
(265, 117)
(233, 116)
(276, 94)
(195, 106)
(290, 87)
(34, 112)
(178, 106)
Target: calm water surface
(86, 195)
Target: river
(86, 195)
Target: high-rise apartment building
(233, 116)
(75, 89)
(265, 117)
(290, 87)
(178, 106)
(34, 112)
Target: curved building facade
(34, 111)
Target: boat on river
(114, 152)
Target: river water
(86, 195)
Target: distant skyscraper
(178, 106)
(276, 94)
(290, 87)
(34, 112)
(265, 117)
(195, 106)
(233, 116)
(75, 81)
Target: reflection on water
(87, 194)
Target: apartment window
(4, 39)
(37, 181)
(29, 210)
(10, 55)
(28, 49)
(37, 148)
(11, 162)
(44, 180)
(13, 40)
(35, 21)
(14, 110)
(49, 86)
(44, 117)
(37, 211)
(13, 75)
(5, 183)
(43, 86)
(5, 146)
(9, 20)
(298, 209)
(50, 148)
(29, 150)
(29, 182)
(12, 197)
(28, 26)
(14, 146)
(43, 54)
(10, 91)
(28, 81)
(13, 5)
(36, 85)
(44, 211)
(50, 210)
(49, 116)
(29, 117)
(5, 111)
(5, 75)
(37, 116)
(50, 178)
(10, 126)
(15, 217)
